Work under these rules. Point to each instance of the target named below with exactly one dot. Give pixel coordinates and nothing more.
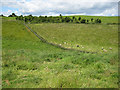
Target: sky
(57, 7)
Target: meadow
(88, 37)
(27, 62)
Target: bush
(97, 21)
(91, 19)
(83, 21)
(79, 18)
(67, 19)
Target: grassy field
(29, 63)
(89, 37)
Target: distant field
(89, 37)
(29, 63)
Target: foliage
(98, 21)
(83, 21)
(13, 15)
(60, 19)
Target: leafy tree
(79, 18)
(73, 17)
(91, 19)
(26, 19)
(97, 21)
(10, 16)
(17, 18)
(63, 19)
(77, 21)
(83, 21)
(13, 15)
(20, 17)
(67, 19)
(2, 15)
(87, 21)
(60, 15)
(71, 20)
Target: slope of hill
(29, 63)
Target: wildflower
(64, 42)
(104, 50)
(110, 48)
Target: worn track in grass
(45, 41)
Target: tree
(2, 15)
(91, 19)
(30, 15)
(10, 16)
(60, 15)
(79, 18)
(17, 18)
(83, 21)
(63, 19)
(71, 20)
(67, 19)
(77, 21)
(73, 17)
(30, 18)
(97, 21)
(13, 15)
(20, 17)
(87, 21)
(26, 19)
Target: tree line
(55, 19)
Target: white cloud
(65, 7)
(7, 13)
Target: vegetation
(89, 37)
(29, 63)
(13, 15)
(60, 19)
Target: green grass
(29, 63)
(90, 37)
(8, 18)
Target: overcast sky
(64, 7)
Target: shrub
(83, 21)
(91, 19)
(79, 18)
(97, 21)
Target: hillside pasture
(88, 37)
(29, 63)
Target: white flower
(64, 42)
(104, 50)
